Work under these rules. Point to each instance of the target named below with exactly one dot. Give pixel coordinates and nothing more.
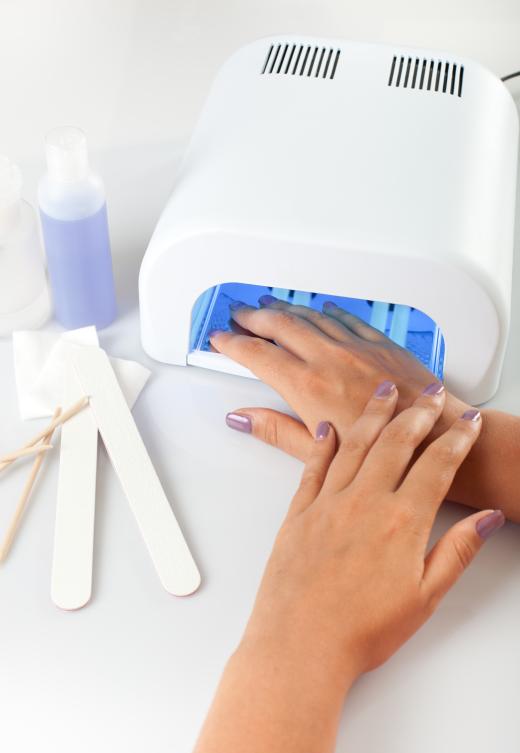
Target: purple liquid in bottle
(80, 269)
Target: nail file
(71, 581)
(163, 537)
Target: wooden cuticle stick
(22, 502)
(57, 421)
(24, 452)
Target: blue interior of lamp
(406, 326)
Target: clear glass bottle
(75, 231)
(24, 295)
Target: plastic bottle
(75, 230)
(24, 295)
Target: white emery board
(166, 544)
(71, 580)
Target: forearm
(275, 698)
(490, 476)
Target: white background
(136, 668)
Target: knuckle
(254, 346)
(428, 409)
(464, 432)
(283, 319)
(313, 316)
(431, 602)
(313, 382)
(310, 479)
(400, 517)
(403, 516)
(446, 454)
(379, 408)
(463, 552)
(270, 430)
(403, 433)
(347, 354)
(354, 444)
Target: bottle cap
(66, 152)
(10, 195)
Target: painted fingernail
(239, 422)
(214, 333)
(385, 389)
(234, 305)
(266, 300)
(322, 430)
(487, 526)
(471, 415)
(435, 388)
(329, 305)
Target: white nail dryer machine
(379, 177)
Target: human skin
(327, 366)
(349, 579)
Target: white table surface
(135, 669)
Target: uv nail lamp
(378, 177)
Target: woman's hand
(349, 579)
(328, 364)
(349, 566)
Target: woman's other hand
(349, 574)
(349, 579)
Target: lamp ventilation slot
(432, 75)
(301, 60)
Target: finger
(353, 323)
(431, 476)
(274, 428)
(271, 364)
(391, 454)
(452, 554)
(238, 330)
(296, 335)
(326, 324)
(315, 472)
(358, 440)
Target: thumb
(274, 428)
(454, 551)
(316, 468)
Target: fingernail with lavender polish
(436, 388)
(235, 305)
(266, 300)
(239, 422)
(322, 430)
(329, 305)
(471, 415)
(488, 525)
(214, 333)
(385, 389)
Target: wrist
(302, 660)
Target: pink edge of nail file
(172, 559)
(71, 580)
